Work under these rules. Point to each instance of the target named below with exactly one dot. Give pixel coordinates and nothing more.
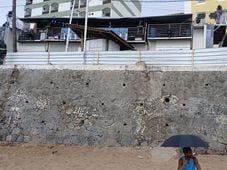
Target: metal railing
(48, 33)
(130, 33)
(169, 30)
(202, 57)
(127, 33)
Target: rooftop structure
(143, 33)
(97, 8)
(208, 11)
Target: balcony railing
(49, 33)
(131, 34)
(169, 31)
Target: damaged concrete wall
(124, 107)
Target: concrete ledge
(116, 67)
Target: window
(54, 7)
(83, 3)
(46, 9)
(201, 15)
(106, 1)
(28, 2)
(28, 12)
(76, 4)
(106, 12)
(200, 18)
(200, 1)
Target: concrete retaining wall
(112, 107)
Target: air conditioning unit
(140, 30)
(200, 21)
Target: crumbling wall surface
(101, 107)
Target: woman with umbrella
(188, 161)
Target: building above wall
(144, 33)
(209, 12)
(100, 8)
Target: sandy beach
(60, 157)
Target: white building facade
(187, 7)
(97, 8)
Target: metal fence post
(193, 57)
(140, 57)
(98, 56)
(49, 57)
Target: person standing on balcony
(3, 50)
(218, 14)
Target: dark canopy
(117, 22)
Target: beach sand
(61, 157)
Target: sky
(149, 8)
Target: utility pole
(85, 32)
(14, 26)
(70, 22)
(85, 27)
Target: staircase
(220, 36)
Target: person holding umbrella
(188, 161)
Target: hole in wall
(167, 100)
(64, 102)
(164, 85)
(124, 84)
(184, 104)
(87, 84)
(167, 124)
(51, 82)
(141, 104)
(206, 84)
(26, 102)
(82, 122)
(125, 124)
(199, 113)
(102, 104)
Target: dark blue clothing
(190, 165)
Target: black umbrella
(185, 141)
